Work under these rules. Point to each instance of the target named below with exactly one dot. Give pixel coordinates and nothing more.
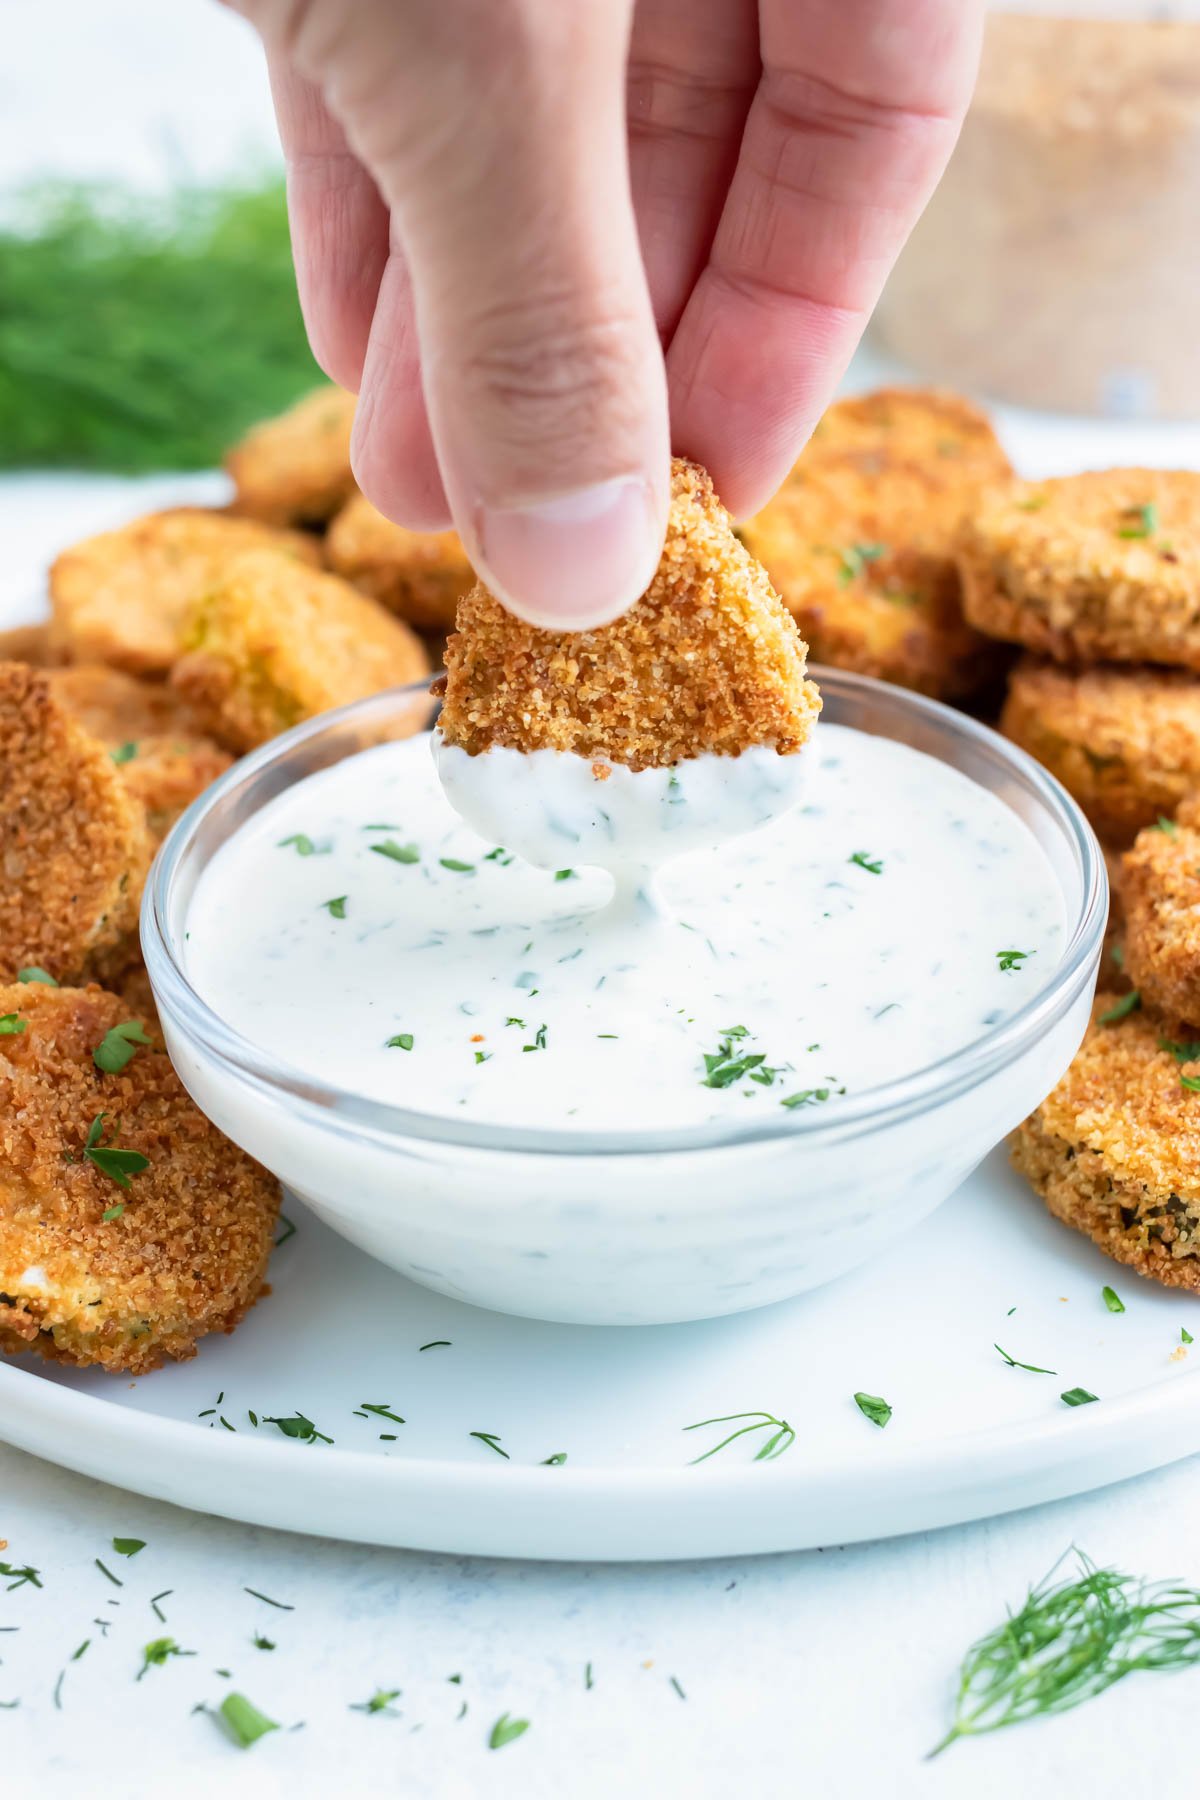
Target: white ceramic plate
(969, 1436)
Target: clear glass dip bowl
(634, 1227)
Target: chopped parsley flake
(1112, 1300)
(336, 908)
(380, 1701)
(456, 867)
(556, 1461)
(11, 1024)
(506, 1730)
(157, 1652)
(492, 1440)
(482, 1056)
(262, 1643)
(1144, 521)
(1167, 825)
(297, 1427)
(403, 1040)
(1012, 959)
(401, 853)
(382, 1412)
(243, 1720)
(863, 860)
(16, 1577)
(1076, 1397)
(33, 973)
(873, 1408)
(118, 1165)
(302, 845)
(1185, 1336)
(1128, 1003)
(123, 753)
(118, 1047)
(724, 1066)
(128, 1546)
(500, 855)
(112, 1212)
(565, 875)
(539, 1040)
(806, 1097)
(854, 560)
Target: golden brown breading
(1112, 956)
(120, 598)
(149, 732)
(1124, 742)
(929, 427)
(706, 660)
(1161, 885)
(276, 643)
(1114, 1151)
(184, 1246)
(74, 849)
(29, 644)
(295, 469)
(419, 575)
(1093, 567)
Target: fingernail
(575, 562)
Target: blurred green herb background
(140, 334)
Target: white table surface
(825, 1674)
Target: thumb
(496, 135)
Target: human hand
(522, 228)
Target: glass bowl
(630, 1227)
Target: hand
(523, 227)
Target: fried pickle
(295, 469)
(419, 575)
(1161, 887)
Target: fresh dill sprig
(782, 1438)
(1071, 1640)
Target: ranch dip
(715, 967)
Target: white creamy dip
(360, 932)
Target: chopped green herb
(158, 1612)
(519, 1022)
(1112, 1300)
(123, 753)
(1185, 1336)
(336, 908)
(17, 1577)
(1014, 1364)
(482, 1056)
(1128, 1003)
(873, 1408)
(302, 845)
(675, 1684)
(244, 1722)
(128, 1546)
(1167, 825)
(492, 1440)
(565, 875)
(499, 855)
(382, 1412)
(107, 1573)
(1076, 1396)
(297, 1427)
(380, 1701)
(435, 1344)
(118, 1165)
(1145, 521)
(33, 973)
(279, 1605)
(261, 1643)
(403, 1040)
(112, 1213)
(1070, 1641)
(156, 1653)
(539, 1040)
(723, 1066)
(1191, 1083)
(118, 1047)
(862, 859)
(782, 1438)
(1182, 1050)
(506, 1730)
(1012, 959)
(289, 1231)
(456, 867)
(806, 1097)
(556, 1461)
(587, 1676)
(11, 1024)
(401, 853)
(853, 561)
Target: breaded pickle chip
(295, 469)
(930, 427)
(1161, 888)
(419, 575)
(707, 660)
(74, 848)
(276, 643)
(120, 598)
(1103, 566)
(1114, 1151)
(1124, 742)
(109, 1259)
(150, 735)
(29, 644)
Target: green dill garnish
(782, 1436)
(1076, 1396)
(21, 1577)
(853, 561)
(1164, 824)
(554, 1462)
(1128, 1003)
(158, 1612)
(539, 1040)
(33, 973)
(492, 1440)
(11, 1024)
(118, 1165)
(873, 1408)
(674, 1680)
(297, 1427)
(1183, 1050)
(112, 1213)
(128, 1546)
(1014, 1364)
(123, 753)
(303, 845)
(262, 1643)
(336, 908)
(403, 1040)
(1191, 1083)
(806, 1097)
(505, 1730)
(380, 1701)
(244, 1722)
(1012, 959)
(279, 1605)
(1112, 1300)
(435, 1344)
(1185, 1336)
(565, 875)
(724, 1065)
(401, 853)
(499, 855)
(456, 867)
(482, 1056)
(1035, 503)
(1070, 1641)
(1145, 521)
(289, 1231)
(862, 859)
(382, 1412)
(519, 1022)
(157, 1652)
(118, 1047)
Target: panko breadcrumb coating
(295, 469)
(149, 733)
(1124, 742)
(74, 848)
(120, 598)
(1161, 886)
(419, 575)
(861, 538)
(276, 643)
(706, 660)
(184, 1246)
(1114, 1151)
(1103, 566)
